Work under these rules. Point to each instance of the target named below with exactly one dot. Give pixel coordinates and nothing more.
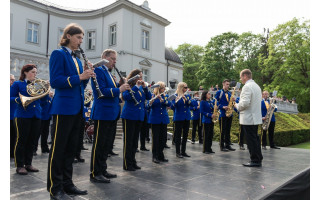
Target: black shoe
(241, 147)
(192, 141)
(109, 175)
(179, 155)
(31, 168)
(164, 160)
(83, 148)
(200, 142)
(137, 150)
(211, 151)
(155, 160)
(113, 153)
(79, 159)
(60, 195)
(166, 146)
(275, 147)
(252, 164)
(224, 149)
(99, 179)
(35, 153)
(230, 148)
(135, 166)
(185, 155)
(144, 149)
(207, 152)
(73, 190)
(130, 169)
(264, 147)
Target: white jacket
(250, 104)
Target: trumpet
(36, 89)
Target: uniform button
(161, 113)
(139, 108)
(34, 106)
(185, 111)
(140, 100)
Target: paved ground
(217, 176)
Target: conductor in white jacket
(250, 116)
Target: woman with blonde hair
(182, 116)
(159, 119)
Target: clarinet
(131, 92)
(96, 85)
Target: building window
(145, 74)
(60, 33)
(145, 39)
(91, 35)
(113, 35)
(33, 32)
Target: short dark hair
(225, 80)
(70, 29)
(246, 72)
(26, 68)
(204, 95)
(196, 93)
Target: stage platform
(214, 176)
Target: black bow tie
(75, 54)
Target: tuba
(36, 89)
(88, 97)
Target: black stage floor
(215, 176)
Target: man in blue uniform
(45, 121)
(265, 104)
(69, 80)
(223, 96)
(105, 111)
(13, 106)
(196, 120)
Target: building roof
(171, 55)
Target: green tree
(219, 60)
(191, 56)
(288, 63)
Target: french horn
(36, 89)
(88, 97)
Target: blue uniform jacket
(64, 78)
(195, 109)
(107, 107)
(158, 113)
(130, 110)
(222, 101)
(264, 110)
(32, 110)
(206, 109)
(182, 109)
(13, 106)
(45, 104)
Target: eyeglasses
(185, 87)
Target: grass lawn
(305, 145)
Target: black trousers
(225, 131)
(182, 127)
(196, 124)
(270, 134)
(174, 130)
(81, 134)
(44, 134)
(101, 144)
(13, 137)
(114, 132)
(27, 130)
(62, 152)
(143, 132)
(208, 136)
(241, 135)
(253, 141)
(131, 130)
(159, 137)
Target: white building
(136, 33)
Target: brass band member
(206, 108)
(196, 118)
(159, 119)
(69, 80)
(223, 97)
(104, 112)
(265, 104)
(132, 117)
(13, 106)
(182, 118)
(27, 121)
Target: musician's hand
(87, 74)
(213, 115)
(159, 97)
(198, 107)
(124, 87)
(263, 118)
(184, 97)
(225, 107)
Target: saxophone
(216, 112)
(231, 104)
(269, 114)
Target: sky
(195, 22)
